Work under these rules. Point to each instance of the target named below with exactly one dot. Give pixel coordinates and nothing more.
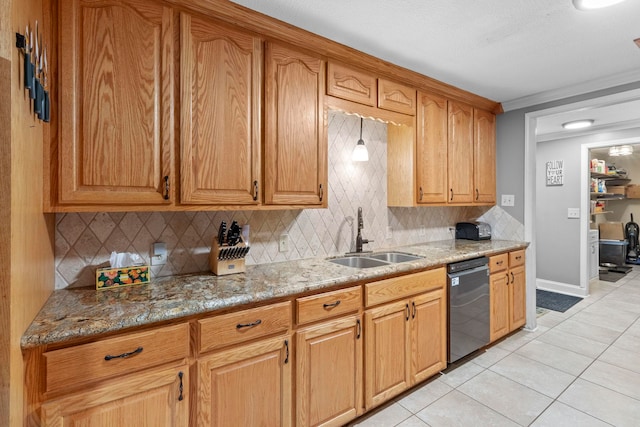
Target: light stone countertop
(71, 314)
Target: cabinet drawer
(245, 325)
(115, 356)
(516, 258)
(404, 286)
(328, 304)
(396, 97)
(353, 85)
(498, 263)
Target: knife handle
(28, 72)
(46, 113)
(37, 105)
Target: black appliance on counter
(474, 230)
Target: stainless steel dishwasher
(469, 307)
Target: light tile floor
(578, 368)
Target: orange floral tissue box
(107, 278)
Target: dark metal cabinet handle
(255, 190)
(451, 194)
(359, 329)
(408, 312)
(124, 355)
(286, 346)
(166, 187)
(421, 194)
(507, 278)
(499, 262)
(248, 325)
(519, 257)
(331, 305)
(512, 278)
(180, 375)
(321, 192)
(413, 316)
(477, 194)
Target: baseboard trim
(561, 288)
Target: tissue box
(107, 278)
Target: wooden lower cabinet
(247, 385)
(508, 293)
(329, 373)
(405, 343)
(158, 397)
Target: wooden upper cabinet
(221, 86)
(460, 153)
(431, 148)
(295, 128)
(396, 97)
(484, 137)
(351, 84)
(116, 99)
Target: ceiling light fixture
(594, 4)
(620, 150)
(578, 124)
(360, 153)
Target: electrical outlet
(159, 253)
(573, 213)
(389, 233)
(283, 243)
(508, 200)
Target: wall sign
(555, 172)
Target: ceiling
(517, 52)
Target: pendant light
(360, 153)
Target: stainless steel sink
(374, 260)
(358, 262)
(394, 257)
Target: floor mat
(554, 301)
(611, 276)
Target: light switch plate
(573, 213)
(508, 200)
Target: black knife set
(228, 250)
(36, 72)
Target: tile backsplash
(85, 241)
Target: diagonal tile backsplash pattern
(84, 241)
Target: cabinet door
(484, 156)
(431, 159)
(386, 352)
(396, 97)
(155, 398)
(295, 130)
(329, 373)
(351, 84)
(460, 153)
(428, 335)
(248, 385)
(517, 297)
(116, 100)
(499, 302)
(221, 75)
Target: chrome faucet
(359, 240)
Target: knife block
(223, 260)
